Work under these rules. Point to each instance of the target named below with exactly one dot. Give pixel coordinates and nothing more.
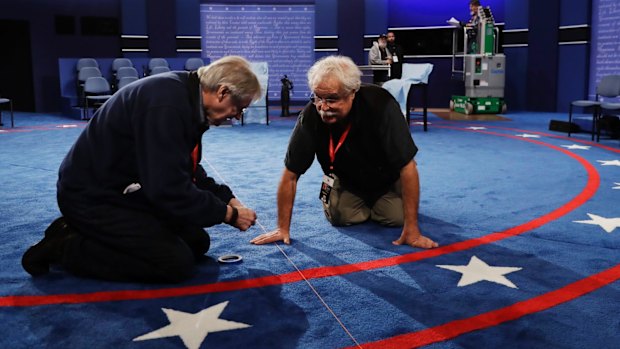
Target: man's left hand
(414, 238)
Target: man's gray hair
(340, 68)
(234, 73)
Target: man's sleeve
(396, 137)
(204, 182)
(301, 147)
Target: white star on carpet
(476, 128)
(608, 224)
(193, 328)
(577, 146)
(420, 123)
(527, 135)
(609, 162)
(477, 270)
(618, 186)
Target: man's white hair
(340, 68)
(233, 72)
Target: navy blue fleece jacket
(145, 134)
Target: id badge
(395, 59)
(326, 188)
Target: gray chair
(86, 62)
(157, 62)
(159, 70)
(96, 91)
(612, 108)
(193, 63)
(124, 72)
(10, 102)
(124, 81)
(118, 63)
(84, 74)
(609, 87)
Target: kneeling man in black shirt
(365, 149)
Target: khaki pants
(346, 208)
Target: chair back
(86, 62)
(120, 63)
(124, 81)
(124, 72)
(96, 85)
(158, 62)
(88, 72)
(609, 86)
(194, 63)
(159, 70)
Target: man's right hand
(272, 236)
(245, 219)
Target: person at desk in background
(379, 55)
(396, 69)
(364, 146)
(133, 195)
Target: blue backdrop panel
(516, 70)
(134, 17)
(188, 13)
(327, 21)
(542, 57)
(605, 53)
(376, 17)
(282, 35)
(572, 76)
(574, 12)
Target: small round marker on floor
(230, 258)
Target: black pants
(122, 244)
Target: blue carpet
(515, 268)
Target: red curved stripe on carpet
(321, 272)
(493, 318)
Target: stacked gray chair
(610, 107)
(159, 70)
(86, 62)
(608, 87)
(126, 80)
(96, 91)
(193, 63)
(157, 62)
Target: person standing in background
(287, 86)
(397, 56)
(379, 55)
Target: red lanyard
(195, 159)
(332, 151)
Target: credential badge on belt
(326, 188)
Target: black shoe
(37, 259)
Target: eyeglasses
(328, 102)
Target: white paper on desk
(453, 21)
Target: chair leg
(12, 120)
(593, 124)
(599, 114)
(570, 117)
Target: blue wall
(350, 20)
(47, 46)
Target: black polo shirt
(369, 161)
